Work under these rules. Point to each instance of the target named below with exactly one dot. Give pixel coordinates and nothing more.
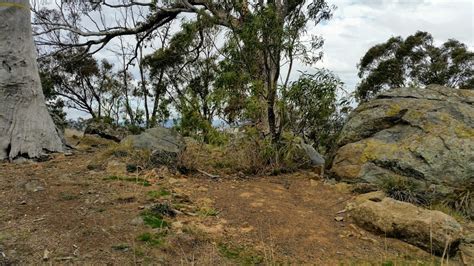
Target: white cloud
(358, 25)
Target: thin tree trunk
(144, 89)
(26, 127)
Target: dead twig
(207, 174)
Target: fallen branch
(207, 174)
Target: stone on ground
(165, 144)
(430, 230)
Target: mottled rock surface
(425, 136)
(165, 144)
(106, 130)
(430, 230)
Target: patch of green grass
(154, 194)
(154, 219)
(157, 239)
(239, 254)
(136, 180)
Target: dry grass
(244, 155)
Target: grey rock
(165, 144)
(316, 158)
(423, 135)
(106, 130)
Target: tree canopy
(414, 61)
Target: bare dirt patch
(63, 211)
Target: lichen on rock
(425, 135)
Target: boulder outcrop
(422, 135)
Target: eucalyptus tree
(26, 127)
(264, 34)
(83, 83)
(414, 61)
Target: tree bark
(26, 127)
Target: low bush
(246, 153)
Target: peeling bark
(26, 127)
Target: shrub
(247, 153)
(403, 189)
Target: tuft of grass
(456, 214)
(154, 216)
(403, 189)
(135, 159)
(206, 212)
(154, 194)
(157, 239)
(461, 199)
(136, 180)
(239, 254)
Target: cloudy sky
(357, 25)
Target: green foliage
(311, 108)
(158, 194)
(403, 189)
(153, 239)
(154, 220)
(415, 61)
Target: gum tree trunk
(26, 127)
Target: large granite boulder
(165, 144)
(425, 136)
(430, 230)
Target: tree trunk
(26, 127)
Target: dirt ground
(63, 211)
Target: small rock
(339, 218)
(137, 221)
(34, 185)
(46, 255)
(22, 160)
